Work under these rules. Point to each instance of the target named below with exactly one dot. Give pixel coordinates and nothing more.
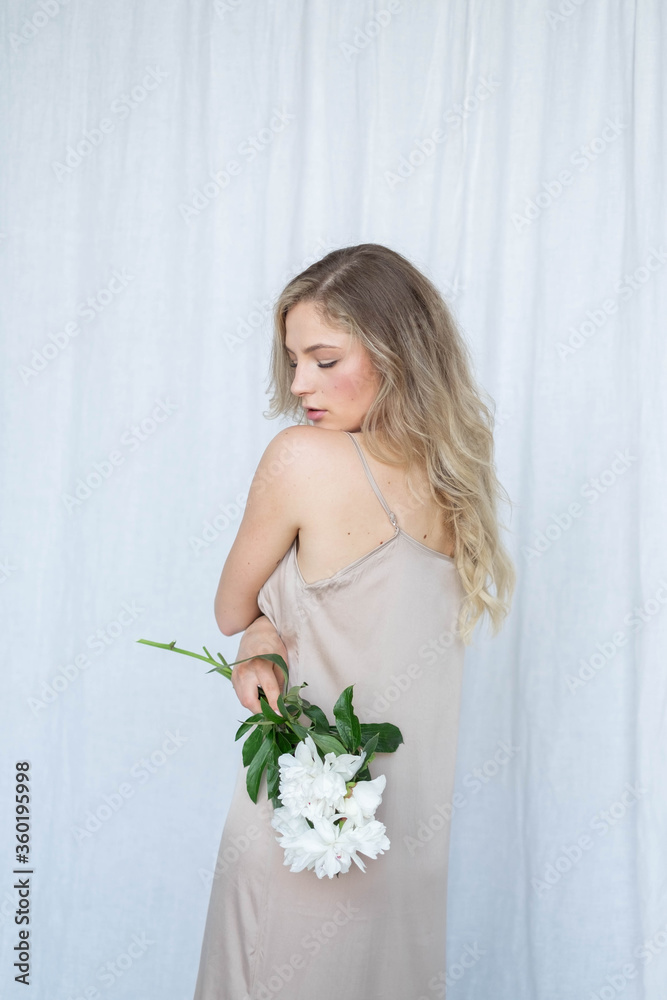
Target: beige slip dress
(387, 624)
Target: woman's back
(344, 518)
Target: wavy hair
(428, 410)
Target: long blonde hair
(428, 410)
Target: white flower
(366, 796)
(330, 848)
(318, 848)
(289, 825)
(312, 787)
(370, 839)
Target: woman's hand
(259, 637)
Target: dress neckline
(378, 548)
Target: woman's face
(333, 373)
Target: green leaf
(293, 693)
(300, 731)
(370, 747)
(268, 712)
(326, 742)
(285, 709)
(257, 765)
(273, 773)
(284, 743)
(347, 723)
(221, 670)
(243, 728)
(316, 716)
(252, 745)
(253, 719)
(389, 737)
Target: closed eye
(329, 365)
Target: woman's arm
(271, 520)
(259, 637)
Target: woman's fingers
(247, 677)
(260, 637)
(271, 688)
(244, 682)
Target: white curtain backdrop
(167, 167)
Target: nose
(301, 383)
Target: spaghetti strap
(376, 488)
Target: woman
(366, 556)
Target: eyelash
(329, 365)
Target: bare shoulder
(294, 458)
(305, 448)
(311, 462)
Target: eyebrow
(314, 347)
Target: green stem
(225, 670)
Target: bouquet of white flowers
(326, 816)
(317, 776)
